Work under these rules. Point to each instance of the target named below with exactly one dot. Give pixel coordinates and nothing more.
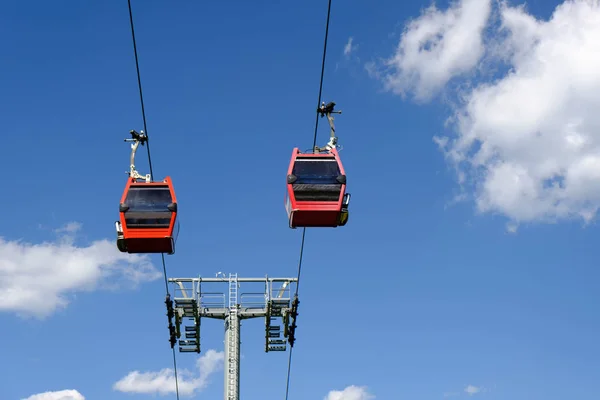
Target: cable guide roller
(148, 210)
(316, 183)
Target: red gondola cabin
(147, 217)
(316, 190)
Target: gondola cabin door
(148, 211)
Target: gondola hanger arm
(327, 110)
(137, 139)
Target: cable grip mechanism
(327, 110)
(137, 139)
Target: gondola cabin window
(148, 207)
(316, 179)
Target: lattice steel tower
(191, 303)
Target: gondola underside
(149, 245)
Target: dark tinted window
(147, 219)
(316, 170)
(148, 198)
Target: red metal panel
(149, 240)
(313, 213)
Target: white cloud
(349, 48)
(471, 390)
(35, 279)
(163, 382)
(436, 47)
(350, 393)
(530, 140)
(525, 143)
(60, 395)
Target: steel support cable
(289, 369)
(139, 79)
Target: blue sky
(467, 268)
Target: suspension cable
(289, 369)
(137, 67)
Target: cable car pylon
(191, 303)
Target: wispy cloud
(36, 279)
(60, 395)
(350, 59)
(471, 390)
(349, 48)
(512, 227)
(71, 227)
(163, 381)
